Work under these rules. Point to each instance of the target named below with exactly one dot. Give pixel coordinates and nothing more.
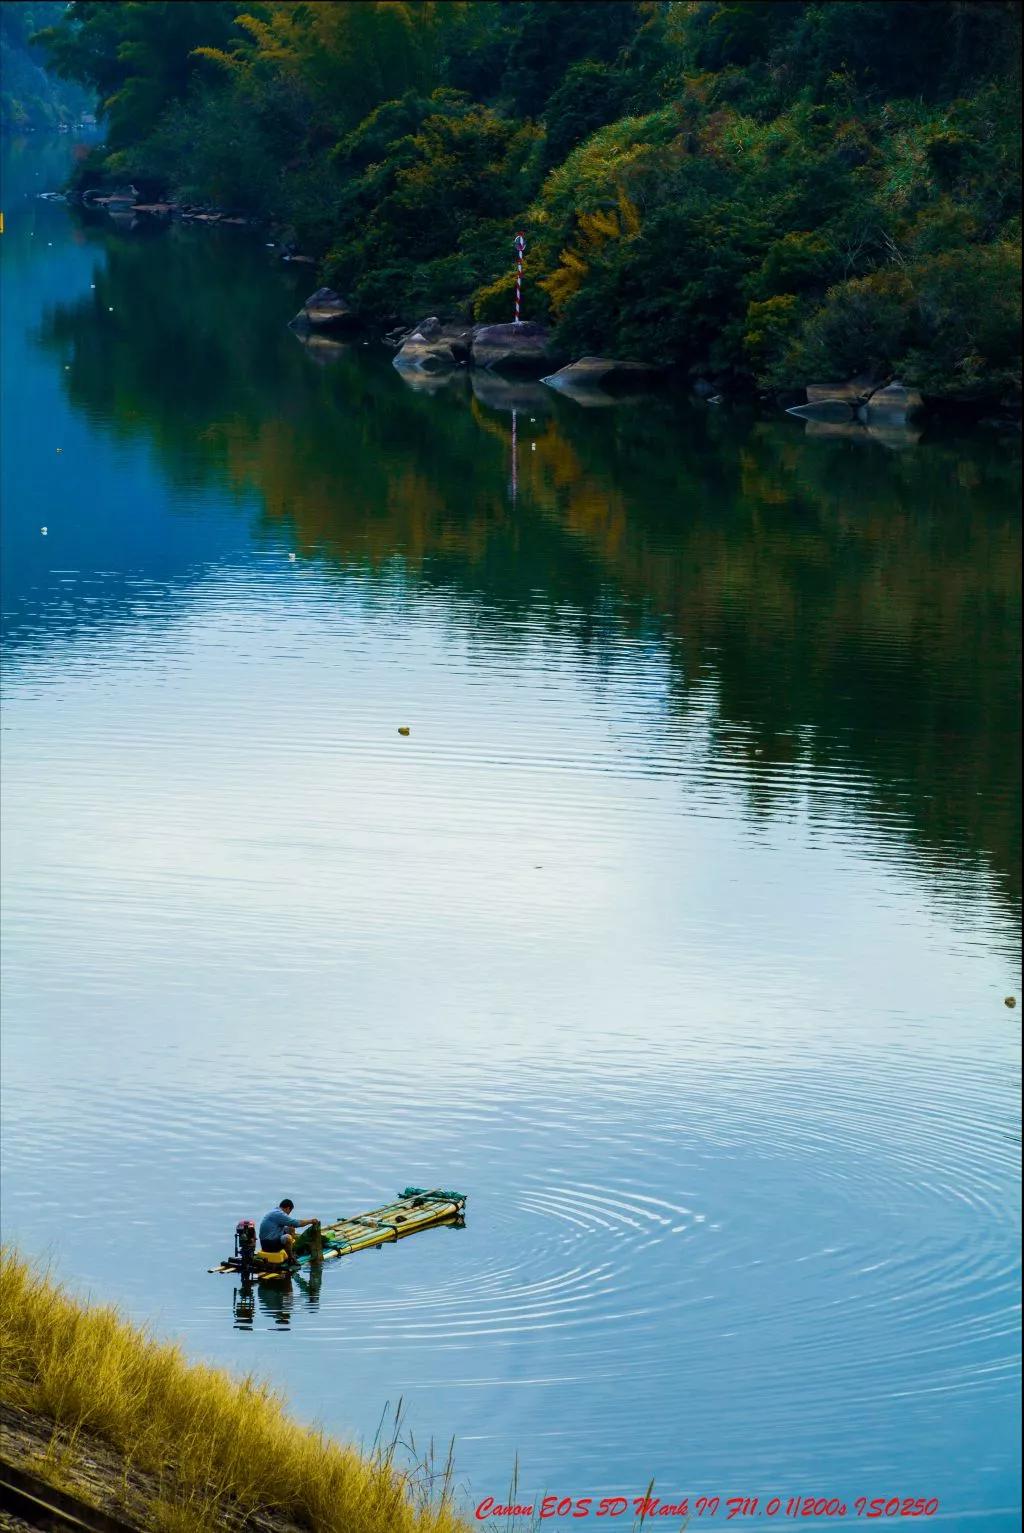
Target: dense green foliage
(29, 97)
(769, 190)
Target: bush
(950, 325)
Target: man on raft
(277, 1229)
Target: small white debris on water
(291, 558)
(43, 531)
(111, 309)
(533, 447)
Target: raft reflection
(277, 1298)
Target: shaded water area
(676, 933)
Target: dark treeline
(764, 190)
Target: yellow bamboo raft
(417, 1208)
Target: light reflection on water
(675, 933)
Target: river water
(676, 933)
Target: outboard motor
(245, 1247)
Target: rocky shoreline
(527, 349)
(434, 348)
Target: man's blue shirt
(276, 1225)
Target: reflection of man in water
(277, 1298)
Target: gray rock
(787, 398)
(433, 347)
(325, 310)
(892, 405)
(854, 391)
(590, 398)
(864, 398)
(119, 197)
(825, 410)
(604, 373)
(523, 348)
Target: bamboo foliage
(594, 233)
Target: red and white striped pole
(520, 244)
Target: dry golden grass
(216, 1444)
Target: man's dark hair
(287, 1204)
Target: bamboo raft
(417, 1208)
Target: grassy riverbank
(198, 1449)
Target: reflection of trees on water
(856, 607)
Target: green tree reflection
(855, 604)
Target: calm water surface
(676, 933)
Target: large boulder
(325, 310)
(833, 403)
(433, 347)
(863, 398)
(590, 374)
(523, 348)
(892, 405)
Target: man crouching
(277, 1229)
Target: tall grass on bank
(214, 1445)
